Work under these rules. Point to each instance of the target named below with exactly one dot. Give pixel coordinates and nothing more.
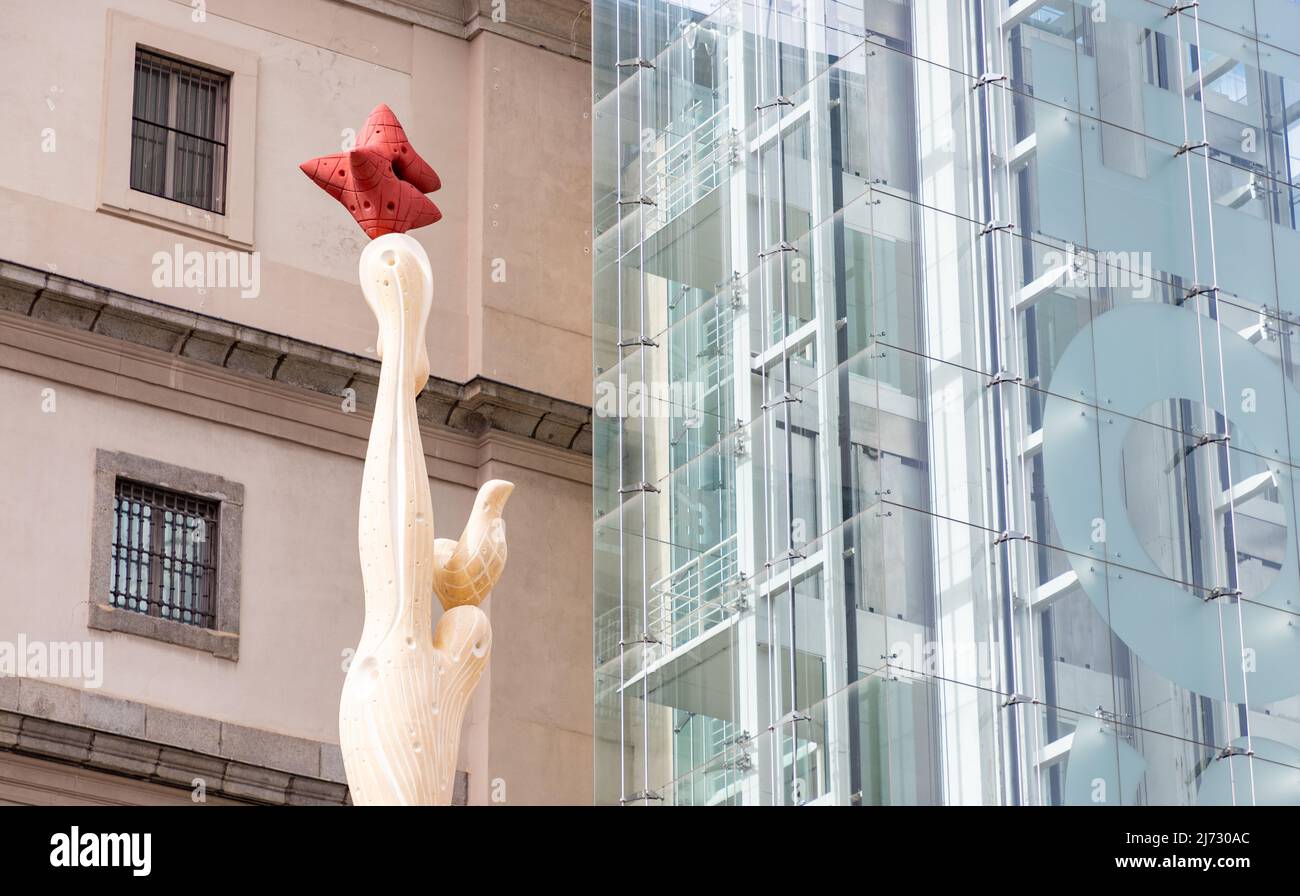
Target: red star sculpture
(383, 181)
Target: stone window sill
(106, 618)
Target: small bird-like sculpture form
(382, 181)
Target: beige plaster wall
(301, 596)
(534, 162)
(505, 124)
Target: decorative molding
(92, 731)
(561, 26)
(475, 408)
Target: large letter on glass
(1144, 354)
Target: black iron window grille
(179, 124)
(164, 559)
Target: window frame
(222, 639)
(234, 226)
(158, 559)
(177, 71)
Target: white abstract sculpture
(409, 683)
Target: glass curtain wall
(944, 401)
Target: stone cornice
(474, 408)
(83, 728)
(561, 26)
(160, 764)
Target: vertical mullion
(169, 118)
(155, 559)
(113, 578)
(210, 557)
(204, 148)
(132, 562)
(188, 580)
(181, 124)
(158, 152)
(126, 554)
(141, 579)
(223, 135)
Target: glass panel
(963, 470)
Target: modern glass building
(947, 401)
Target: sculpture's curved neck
(396, 518)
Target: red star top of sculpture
(382, 181)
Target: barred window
(179, 130)
(164, 563)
